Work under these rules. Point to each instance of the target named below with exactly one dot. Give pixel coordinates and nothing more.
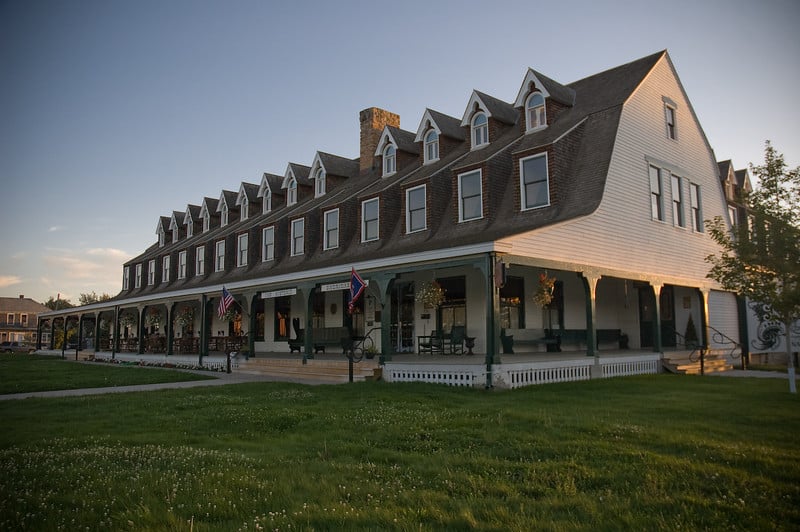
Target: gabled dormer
(329, 171)
(161, 230)
(296, 183)
(191, 219)
(227, 208)
(247, 197)
(208, 213)
(176, 225)
(269, 188)
(485, 116)
(396, 149)
(439, 134)
(540, 99)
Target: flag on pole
(225, 302)
(356, 289)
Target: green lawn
(643, 453)
(38, 373)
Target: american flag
(225, 302)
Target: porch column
(657, 342)
(39, 324)
(307, 291)
(142, 311)
(590, 291)
(170, 326)
(115, 333)
(384, 284)
(64, 338)
(744, 333)
(80, 335)
(251, 325)
(203, 340)
(52, 343)
(97, 331)
(704, 292)
(489, 268)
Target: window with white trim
(670, 116)
(138, 280)
(370, 217)
(267, 243)
(534, 182)
(734, 218)
(165, 263)
(480, 130)
(224, 216)
(182, 264)
(175, 234)
(206, 222)
(291, 192)
(219, 256)
(266, 202)
(9, 318)
(151, 272)
(319, 182)
(241, 250)
(200, 260)
(23, 319)
(126, 273)
(244, 209)
(389, 160)
(161, 238)
(677, 202)
(298, 236)
(656, 193)
(190, 229)
(431, 146)
(535, 113)
(470, 196)
(416, 219)
(331, 229)
(696, 206)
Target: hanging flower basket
(430, 294)
(231, 315)
(185, 316)
(126, 319)
(544, 295)
(153, 318)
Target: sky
(115, 113)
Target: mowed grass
(642, 453)
(38, 373)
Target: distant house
(600, 187)
(19, 318)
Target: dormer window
(389, 160)
(480, 130)
(535, 112)
(244, 209)
(224, 216)
(291, 192)
(431, 146)
(319, 179)
(174, 234)
(161, 238)
(266, 201)
(206, 222)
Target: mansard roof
(443, 124)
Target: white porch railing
(530, 373)
(452, 375)
(639, 365)
(213, 362)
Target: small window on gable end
(480, 130)
(534, 182)
(670, 116)
(389, 160)
(535, 114)
(431, 146)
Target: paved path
(220, 379)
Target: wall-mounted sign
(279, 293)
(333, 287)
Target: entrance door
(647, 314)
(402, 306)
(667, 305)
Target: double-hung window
(670, 116)
(165, 269)
(534, 182)
(656, 193)
(677, 202)
(431, 146)
(126, 273)
(151, 272)
(224, 217)
(697, 211)
(266, 202)
(298, 236)
(416, 218)
(370, 217)
(389, 160)
(241, 250)
(470, 196)
(219, 256)
(206, 222)
(182, 264)
(200, 260)
(480, 130)
(244, 209)
(268, 243)
(138, 280)
(291, 193)
(189, 228)
(320, 182)
(331, 229)
(535, 114)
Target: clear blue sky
(115, 113)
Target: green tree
(760, 259)
(58, 303)
(88, 299)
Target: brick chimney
(373, 121)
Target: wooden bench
(329, 336)
(512, 337)
(298, 343)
